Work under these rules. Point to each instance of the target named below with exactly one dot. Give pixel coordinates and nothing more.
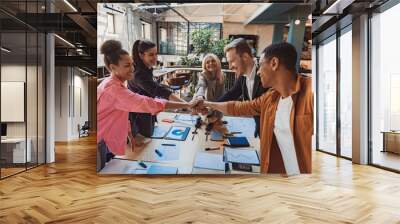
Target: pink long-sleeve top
(114, 102)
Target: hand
(196, 103)
(208, 104)
(197, 106)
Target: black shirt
(143, 84)
(239, 92)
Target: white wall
(12, 73)
(70, 84)
(264, 33)
(127, 27)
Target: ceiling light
(5, 50)
(70, 5)
(297, 22)
(64, 40)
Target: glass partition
(327, 96)
(346, 93)
(22, 88)
(385, 89)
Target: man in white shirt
(286, 112)
(247, 85)
(250, 81)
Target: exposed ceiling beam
(84, 24)
(337, 7)
(81, 61)
(257, 13)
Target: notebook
(178, 133)
(238, 142)
(241, 155)
(156, 169)
(160, 131)
(211, 161)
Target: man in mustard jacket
(286, 112)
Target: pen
(158, 153)
(216, 148)
(166, 144)
(141, 163)
(235, 132)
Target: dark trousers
(103, 155)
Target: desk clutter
(207, 151)
(237, 159)
(119, 166)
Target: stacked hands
(199, 106)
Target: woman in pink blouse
(115, 101)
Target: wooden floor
(387, 159)
(70, 191)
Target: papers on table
(160, 131)
(156, 169)
(166, 152)
(209, 161)
(117, 166)
(241, 155)
(186, 118)
(240, 124)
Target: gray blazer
(210, 89)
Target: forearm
(177, 105)
(172, 97)
(223, 107)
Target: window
(385, 88)
(346, 92)
(110, 23)
(146, 30)
(173, 36)
(163, 34)
(327, 96)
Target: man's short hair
(285, 52)
(241, 46)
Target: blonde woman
(210, 85)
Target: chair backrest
(176, 81)
(86, 125)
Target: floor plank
(70, 191)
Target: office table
(391, 141)
(187, 148)
(13, 150)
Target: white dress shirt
(284, 136)
(250, 81)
